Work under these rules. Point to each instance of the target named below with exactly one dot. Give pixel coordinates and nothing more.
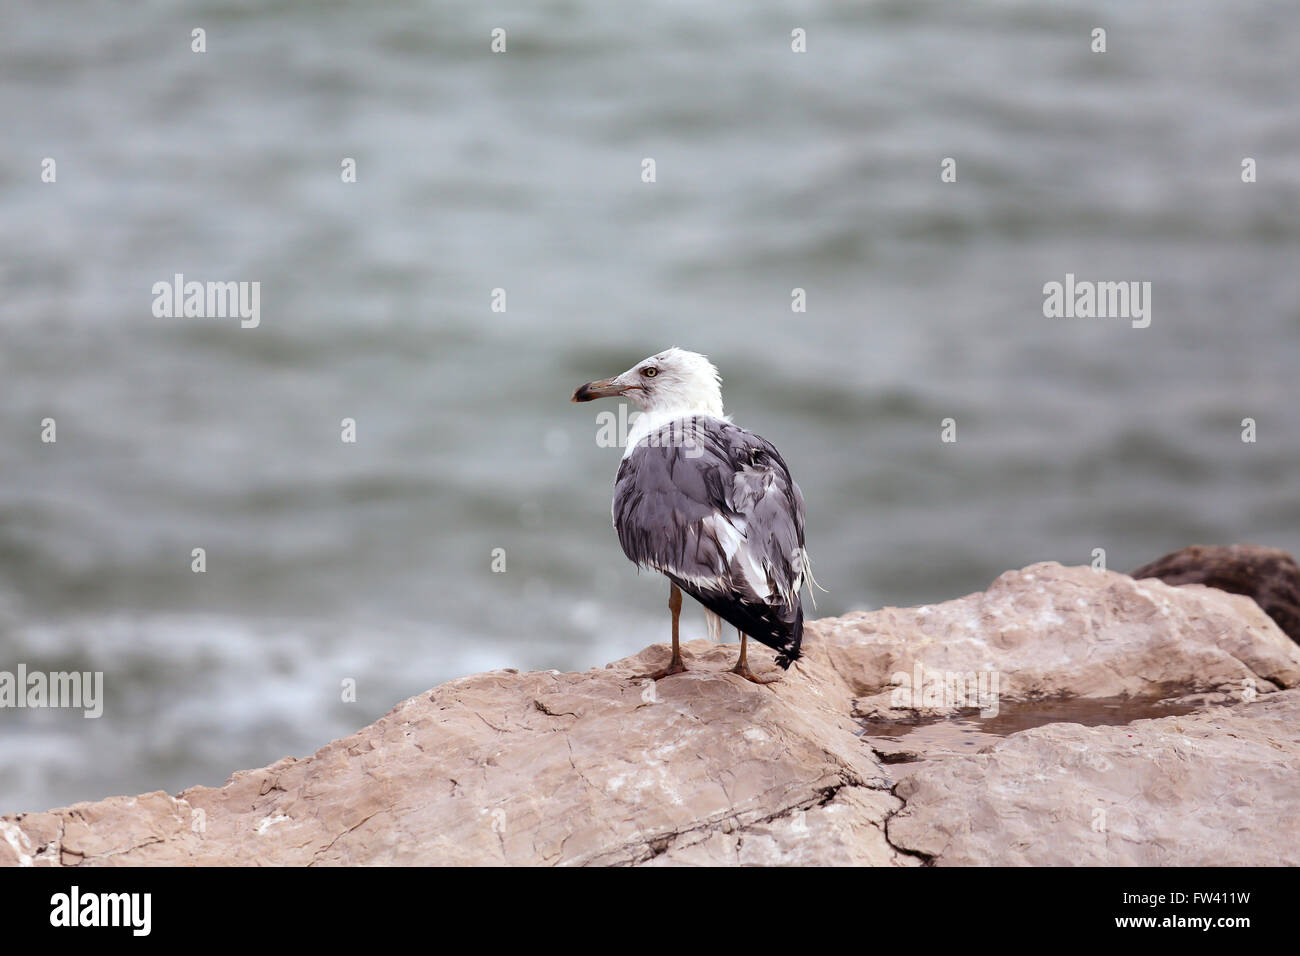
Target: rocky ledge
(1063, 716)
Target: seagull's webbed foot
(742, 663)
(749, 675)
(675, 666)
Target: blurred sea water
(476, 171)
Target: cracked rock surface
(602, 768)
(1211, 789)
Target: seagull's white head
(673, 382)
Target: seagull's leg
(675, 666)
(742, 665)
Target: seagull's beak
(605, 388)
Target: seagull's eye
(650, 372)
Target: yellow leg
(675, 666)
(742, 665)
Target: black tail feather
(772, 625)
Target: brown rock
(1269, 576)
(1050, 631)
(703, 768)
(1212, 789)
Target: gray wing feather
(715, 509)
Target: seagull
(709, 505)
